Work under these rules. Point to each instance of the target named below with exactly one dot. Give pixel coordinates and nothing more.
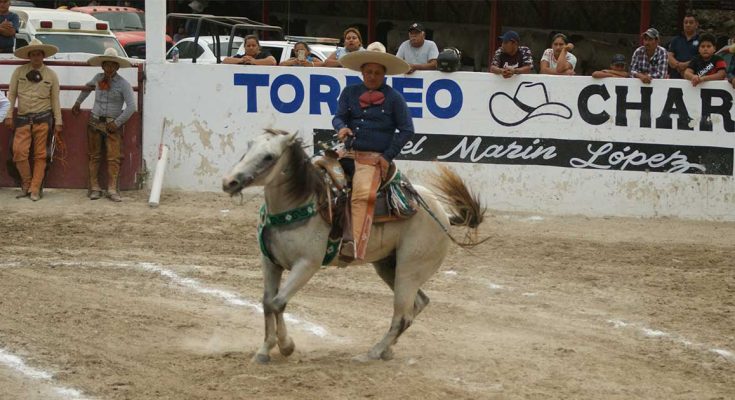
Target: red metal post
(371, 21)
(645, 16)
(494, 30)
(264, 17)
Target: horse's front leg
(271, 280)
(301, 272)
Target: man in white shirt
(418, 52)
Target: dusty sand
(121, 301)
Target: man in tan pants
(37, 89)
(373, 121)
(111, 93)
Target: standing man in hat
(649, 61)
(111, 93)
(511, 58)
(36, 87)
(374, 123)
(417, 51)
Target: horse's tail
(465, 208)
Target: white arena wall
(534, 143)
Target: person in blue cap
(616, 70)
(511, 58)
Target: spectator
(8, 27)
(253, 55)
(707, 66)
(727, 54)
(418, 52)
(649, 61)
(558, 60)
(36, 87)
(302, 57)
(511, 58)
(180, 34)
(683, 47)
(616, 70)
(352, 41)
(111, 93)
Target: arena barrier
(71, 171)
(534, 143)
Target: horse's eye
(268, 158)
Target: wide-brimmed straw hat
(110, 55)
(375, 53)
(35, 44)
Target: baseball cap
(651, 32)
(416, 27)
(618, 59)
(510, 35)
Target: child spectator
(616, 70)
(707, 66)
(558, 60)
(302, 57)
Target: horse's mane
(303, 178)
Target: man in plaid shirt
(649, 60)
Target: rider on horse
(374, 123)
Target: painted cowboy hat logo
(529, 101)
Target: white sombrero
(110, 55)
(375, 53)
(35, 44)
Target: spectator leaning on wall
(683, 47)
(8, 27)
(616, 70)
(104, 127)
(707, 66)
(649, 61)
(418, 52)
(511, 58)
(558, 60)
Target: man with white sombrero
(111, 93)
(36, 87)
(374, 123)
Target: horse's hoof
(262, 358)
(287, 348)
(362, 358)
(376, 354)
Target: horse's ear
(293, 137)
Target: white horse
(405, 253)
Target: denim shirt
(383, 128)
(8, 42)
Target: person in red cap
(417, 51)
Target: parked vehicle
(71, 32)
(128, 25)
(204, 49)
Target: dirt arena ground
(120, 301)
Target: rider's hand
(344, 133)
(57, 129)
(75, 109)
(111, 127)
(384, 165)
(9, 122)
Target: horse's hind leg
(386, 269)
(404, 298)
(271, 280)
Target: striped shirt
(655, 66)
(109, 103)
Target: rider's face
(373, 75)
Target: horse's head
(257, 164)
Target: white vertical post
(155, 33)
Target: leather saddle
(395, 201)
